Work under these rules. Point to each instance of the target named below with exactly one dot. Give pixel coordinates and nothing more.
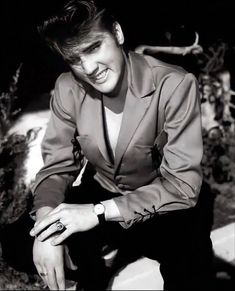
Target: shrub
(13, 150)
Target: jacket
(154, 174)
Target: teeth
(101, 75)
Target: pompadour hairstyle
(66, 29)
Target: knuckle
(60, 238)
(52, 227)
(72, 230)
(63, 236)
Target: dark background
(142, 21)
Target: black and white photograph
(117, 145)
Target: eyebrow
(91, 46)
(92, 40)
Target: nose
(89, 66)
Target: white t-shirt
(113, 123)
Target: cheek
(116, 63)
(112, 56)
(80, 75)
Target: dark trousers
(179, 241)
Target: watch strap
(100, 216)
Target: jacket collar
(140, 75)
(140, 79)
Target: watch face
(99, 209)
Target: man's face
(100, 62)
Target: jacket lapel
(96, 123)
(138, 99)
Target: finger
(45, 222)
(47, 232)
(61, 237)
(58, 208)
(51, 280)
(68, 261)
(60, 278)
(40, 271)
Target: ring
(59, 225)
(42, 274)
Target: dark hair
(65, 30)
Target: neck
(116, 100)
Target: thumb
(68, 261)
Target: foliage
(218, 122)
(13, 150)
(212, 60)
(7, 112)
(216, 162)
(218, 167)
(15, 280)
(13, 192)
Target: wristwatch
(99, 210)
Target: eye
(75, 62)
(93, 48)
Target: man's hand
(49, 262)
(75, 218)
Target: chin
(108, 89)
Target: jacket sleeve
(179, 182)
(59, 168)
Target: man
(132, 124)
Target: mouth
(100, 77)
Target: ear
(117, 30)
